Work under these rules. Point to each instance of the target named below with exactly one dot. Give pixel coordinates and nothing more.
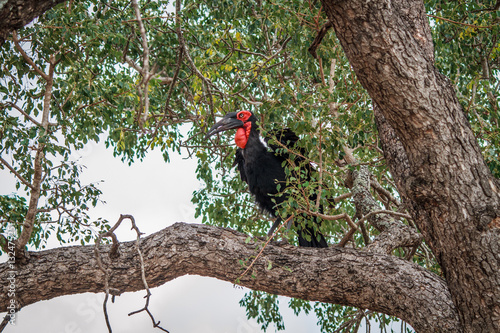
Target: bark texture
(15, 14)
(380, 282)
(451, 194)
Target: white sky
(157, 194)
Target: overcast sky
(157, 194)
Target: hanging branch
(113, 253)
(143, 277)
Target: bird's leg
(276, 224)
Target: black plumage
(260, 165)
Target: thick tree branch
(378, 282)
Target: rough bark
(393, 233)
(454, 199)
(15, 14)
(379, 282)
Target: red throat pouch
(242, 134)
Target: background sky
(157, 194)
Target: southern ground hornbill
(261, 167)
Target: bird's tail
(316, 238)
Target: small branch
(331, 86)
(182, 43)
(132, 64)
(464, 24)
(113, 253)
(342, 197)
(317, 41)
(17, 174)
(376, 185)
(166, 111)
(355, 227)
(206, 82)
(106, 281)
(143, 276)
(146, 76)
(148, 18)
(490, 9)
(29, 221)
(27, 58)
(389, 212)
(324, 216)
(349, 157)
(343, 216)
(33, 120)
(320, 176)
(249, 101)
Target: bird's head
(242, 121)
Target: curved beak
(226, 123)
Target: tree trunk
(380, 282)
(15, 14)
(452, 195)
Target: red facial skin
(242, 133)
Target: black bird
(261, 167)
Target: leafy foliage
(263, 307)
(468, 52)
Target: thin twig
(143, 277)
(206, 82)
(262, 250)
(113, 253)
(106, 283)
(17, 174)
(355, 227)
(33, 120)
(180, 51)
(464, 24)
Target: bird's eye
(241, 115)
